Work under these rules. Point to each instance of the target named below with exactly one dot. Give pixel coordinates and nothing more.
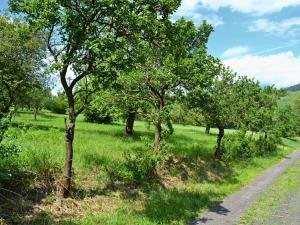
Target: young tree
(83, 36)
(217, 100)
(36, 99)
(19, 62)
(166, 65)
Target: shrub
(57, 104)
(98, 115)
(139, 167)
(267, 144)
(236, 146)
(10, 170)
(244, 146)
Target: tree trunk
(130, 122)
(218, 153)
(35, 113)
(69, 137)
(157, 139)
(207, 129)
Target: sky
(257, 38)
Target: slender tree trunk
(130, 122)
(218, 153)
(157, 138)
(35, 113)
(69, 137)
(158, 125)
(207, 129)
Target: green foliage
(238, 146)
(244, 146)
(21, 54)
(43, 165)
(139, 167)
(287, 122)
(7, 146)
(102, 109)
(9, 168)
(57, 104)
(98, 115)
(296, 106)
(164, 68)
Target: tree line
(131, 57)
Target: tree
(84, 36)
(36, 99)
(20, 62)
(217, 100)
(264, 117)
(287, 122)
(165, 67)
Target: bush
(239, 145)
(98, 115)
(236, 146)
(267, 144)
(10, 171)
(139, 167)
(57, 104)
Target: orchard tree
(287, 122)
(36, 99)
(83, 36)
(164, 68)
(21, 52)
(217, 100)
(247, 103)
(264, 119)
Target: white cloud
(251, 6)
(279, 69)
(288, 26)
(189, 9)
(258, 7)
(235, 51)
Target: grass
(191, 184)
(265, 205)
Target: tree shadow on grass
(17, 205)
(34, 218)
(36, 127)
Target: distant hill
(294, 88)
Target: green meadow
(190, 182)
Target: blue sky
(257, 38)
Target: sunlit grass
(190, 187)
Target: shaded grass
(192, 180)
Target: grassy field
(192, 183)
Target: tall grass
(191, 180)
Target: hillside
(294, 88)
(287, 100)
